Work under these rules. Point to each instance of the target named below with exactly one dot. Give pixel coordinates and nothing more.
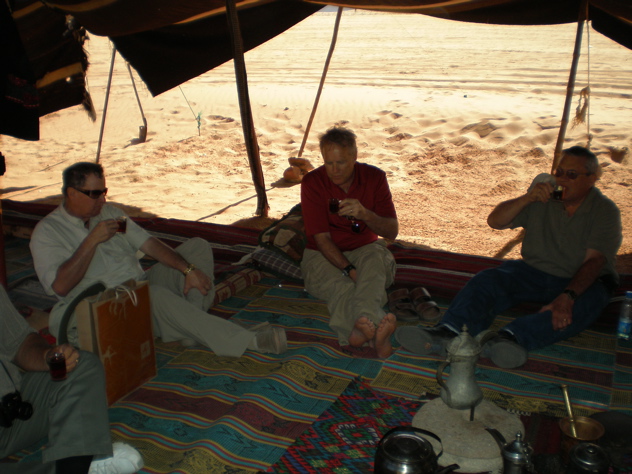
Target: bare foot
(383, 334)
(363, 331)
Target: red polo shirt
(369, 186)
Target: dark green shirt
(556, 243)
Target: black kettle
(405, 450)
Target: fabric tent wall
(42, 67)
(171, 42)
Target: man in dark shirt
(568, 257)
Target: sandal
(427, 309)
(400, 304)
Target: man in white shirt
(79, 244)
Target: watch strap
(347, 270)
(190, 267)
(571, 294)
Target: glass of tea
(57, 365)
(122, 224)
(334, 205)
(558, 192)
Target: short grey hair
(590, 159)
(341, 136)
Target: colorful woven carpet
(344, 439)
(204, 413)
(595, 365)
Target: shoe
(427, 309)
(187, 342)
(271, 340)
(400, 304)
(124, 460)
(503, 349)
(422, 341)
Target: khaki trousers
(177, 316)
(346, 300)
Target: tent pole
(3, 261)
(322, 81)
(142, 136)
(248, 126)
(105, 105)
(557, 156)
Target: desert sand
(461, 116)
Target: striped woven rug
(204, 413)
(595, 365)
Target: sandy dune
(461, 116)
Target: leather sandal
(427, 309)
(400, 304)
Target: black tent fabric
(169, 42)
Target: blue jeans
(493, 291)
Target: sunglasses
(93, 193)
(570, 174)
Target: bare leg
(383, 335)
(363, 332)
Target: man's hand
(70, 353)
(387, 227)
(104, 231)
(505, 212)
(540, 192)
(199, 280)
(72, 271)
(562, 311)
(352, 208)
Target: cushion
(272, 262)
(286, 236)
(235, 283)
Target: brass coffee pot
(460, 391)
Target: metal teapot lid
(406, 447)
(464, 345)
(589, 457)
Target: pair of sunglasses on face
(570, 174)
(93, 193)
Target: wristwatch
(346, 270)
(571, 294)
(188, 269)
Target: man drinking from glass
(567, 266)
(81, 243)
(346, 205)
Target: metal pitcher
(517, 455)
(461, 391)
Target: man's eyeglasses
(570, 174)
(93, 193)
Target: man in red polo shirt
(346, 206)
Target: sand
(460, 116)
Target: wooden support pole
(570, 87)
(247, 123)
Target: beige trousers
(346, 300)
(177, 316)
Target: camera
(13, 408)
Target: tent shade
(169, 42)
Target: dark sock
(443, 331)
(74, 465)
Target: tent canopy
(42, 63)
